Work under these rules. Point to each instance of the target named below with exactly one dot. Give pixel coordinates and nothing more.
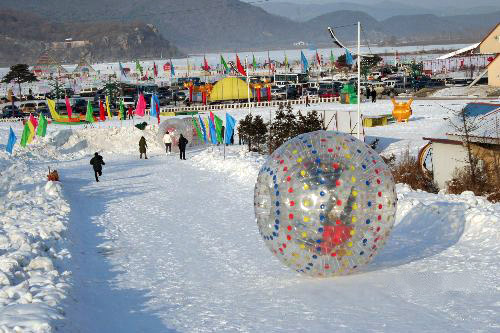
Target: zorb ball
(325, 203)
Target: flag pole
(359, 78)
(248, 85)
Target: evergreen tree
(19, 73)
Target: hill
(25, 36)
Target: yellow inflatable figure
(402, 110)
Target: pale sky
(419, 3)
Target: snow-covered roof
(458, 52)
(487, 121)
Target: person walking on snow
(130, 112)
(167, 140)
(368, 93)
(142, 147)
(374, 96)
(307, 99)
(182, 147)
(97, 162)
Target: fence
(275, 103)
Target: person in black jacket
(374, 96)
(182, 147)
(142, 147)
(97, 163)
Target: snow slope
(168, 245)
(33, 219)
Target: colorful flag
(286, 61)
(207, 126)
(197, 128)
(155, 69)
(12, 140)
(32, 123)
(348, 58)
(26, 134)
(172, 69)
(203, 129)
(122, 70)
(122, 110)
(218, 128)
(254, 63)
(140, 108)
(205, 64)
(108, 109)
(102, 117)
(213, 133)
(332, 58)
(138, 67)
(68, 107)
(155, 107)
(305, 63)
(240, 68)
(42, 126)
(52, 108)
(318, 59)
(230, 124)
(212, 117)
(224, 64)
(89, 116)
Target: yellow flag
(52, 108)
(207, 126)
(32, 131)
(107, 108)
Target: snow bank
(239, 164)
(472, 92)
(33, 217)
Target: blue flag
(348, 57)
(305, 64)
(155, 106)
(230, 124)
(122, 71)
(204, 130)
(11, 142)
(172, 69)
(213, 133)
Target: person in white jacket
(167, 139)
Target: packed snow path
(162, 245)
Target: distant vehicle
(328, 94)
(291, 78)
(45, 111)
(28, 108)
(179, 96)
(278, 93)
(88, 92)
(312, 91)
(401, 88)
(41, 96)
(11, 111)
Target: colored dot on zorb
(325, 203)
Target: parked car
(28, 108)
(11, 111)
(41, 96)
(328, 93)
(278, 93)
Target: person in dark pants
(368, 93)
(97, 163)
(182, 147)
(374, 96)
(130, 112)
(142, 147)
(307, 100)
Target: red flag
(212, 117)
(205, 64)
(317, 58)
(68, 107)
(241, 70)
(33, 121)
(102, 116)
(141, 106)
(155, 69)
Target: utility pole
(359, 79)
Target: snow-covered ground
(168, 245)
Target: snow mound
(239, 164)
(33, 218)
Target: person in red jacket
(130, 112)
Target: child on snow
(142, 147)
(167, 139)
(97, 162)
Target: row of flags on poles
(32, 127)
(239, 66)
(210, 130)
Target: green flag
(26, 135)
(198, 131)
(42, 126)
(332, 58)
(254, 63)
(122, 110)
(138, 67)
(286, 61)
(89, 117)
(218, 128)
(223, 63)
